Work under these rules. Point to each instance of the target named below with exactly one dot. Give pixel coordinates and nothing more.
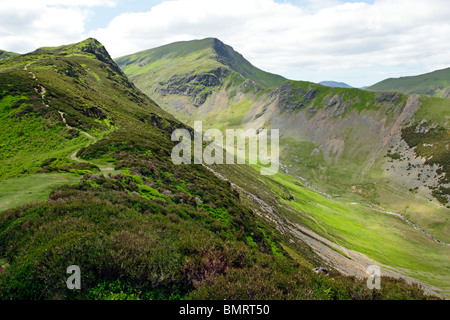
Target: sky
(353, 41)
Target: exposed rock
(336, 105)
(198, 86)
(197, 200)
(387, 97)
(423, 127)
(321, 270)
(167, 193)
(249, 85)
(292, 98)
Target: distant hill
(335, 84)
(6, 55)
(436, 83)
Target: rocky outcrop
(292, 98)
(390, 98)
(336, 106)
(198, 86)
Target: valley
(347, 143)
(86, 178)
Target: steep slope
(194, 69)
(385, 151)
(436, 83)
(138, 226)
(340, 139)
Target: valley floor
(351, 236)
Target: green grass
(384, 238)
(6, 55)
(16, 192)
(230, 118)
(139, 232)
(436, 83)
(190, 56)
(433, 109)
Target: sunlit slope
(386, 148)
(351, 227)
(436, 83)
(143, 228)
(6, 55)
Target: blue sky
(103, 15)
(354, 41)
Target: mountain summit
(89, 47)
(335, 84)
(194, 57)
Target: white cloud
(28, 24)
(306, 39)
(283, 38)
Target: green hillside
(339, 139)
(192, 68)
(100, 191)
(436, 83)
(6, 55)
(362, 147)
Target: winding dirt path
(73, 156)
(42, 91)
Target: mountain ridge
(141, 227)
(6, 55)
(383, 149)
(212, 52)
(435, 83)
(137, 225)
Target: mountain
(335, 84)
(359, 149)
(87, 179)
(436, 83)
(336, 125)
(6, 55)
(204, 65)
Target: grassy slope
(337, 178)
(183, 57)
(382, 237)
(240, 103)
(6, 55)
(140, 233)
(436, 83)
(32, 188)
